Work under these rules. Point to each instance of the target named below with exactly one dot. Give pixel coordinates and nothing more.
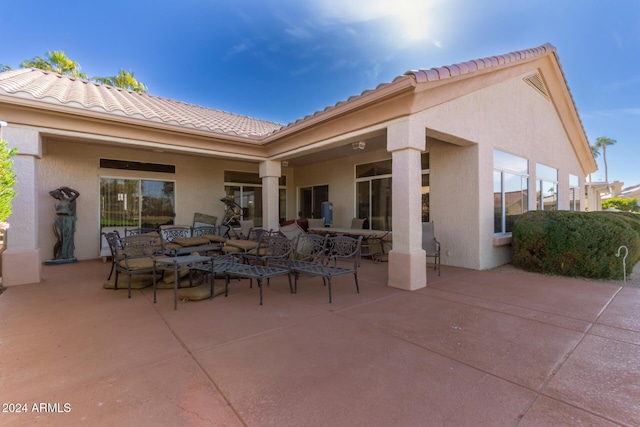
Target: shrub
(575, 243)
(624, 204)
(7, 179)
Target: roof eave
(400, 85)
(58, 108)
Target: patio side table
(179, 264)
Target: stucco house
(469, 146)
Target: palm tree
(595, 152)
(57, 62)
(124, 80)
(603, 142)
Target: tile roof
(78, 93)
(56, 88)
(446, 72)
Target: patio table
(188, 250)
(367, 235)
(257, 272)
(179, 264)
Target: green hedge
(582, 244)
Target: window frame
(256, 184)
(500, 168)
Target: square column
(407, 261)
(270, 172)
(21, 263)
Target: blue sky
(281, 60)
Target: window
(425, 186)
(311, 199)
(245, 188)
(132, 203)
(546, 188)
(373, 193)
(574, 193)
(510, 190)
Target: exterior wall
(454, 201)
(22, 259)
(199, 187)
(509, 116)
(339, 174)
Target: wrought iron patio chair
(135, 255)
(430, 244)
(111, 238)
(326, 260)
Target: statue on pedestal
(65, 225)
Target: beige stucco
(459, 121)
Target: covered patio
(473, 348)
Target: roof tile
(79, 93)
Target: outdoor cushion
(138, 263)
(169, 276)
(191, 241)
(245, 245)
(171, 245)
(291, 231)
(215, 238)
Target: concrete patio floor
(473, 348)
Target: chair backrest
(112, 238)
(357, 223)
(139, 231)
(223, 230)
(256, 234)
(428, 237)
(308, 247)
(344, 248)
(204, 230)
(291, 231)
(245, 227)
(142, 246)
(276, 248)
(203, 220)
(315, 222)
(170, 232)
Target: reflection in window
(245, 188)
(574, 193)
(311, 199)
(136, 203)
(373, 192)
(510, 190)
(546, 188)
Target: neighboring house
(449, 144)
(599, 191)
(633, 191)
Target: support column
(21, 262)
(270, 172)
(407, 261)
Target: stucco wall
(510, 116)
(339, 174)
(199, 185)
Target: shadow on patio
(474, 348)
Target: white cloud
(298, 32)
(239, 48)
(412, 19)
